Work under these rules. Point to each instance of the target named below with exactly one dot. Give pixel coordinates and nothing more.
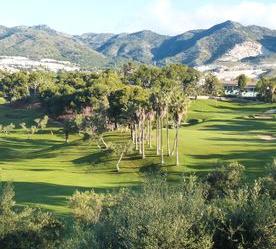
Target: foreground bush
(225, 179)
(245, 219)
(238, 216)
(157, 218)
(269, 181)
(26, 228)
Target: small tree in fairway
(69, 127)
(242, 82)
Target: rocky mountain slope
(228, 42)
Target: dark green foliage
(26, 227)
(267, 89)
(242, 82)
(164, 216)
(226, 179)
(155, 218)
(245, 219)
(212, 86)
(15, 86)
(269, 181)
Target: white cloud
(163, 16)
(10, 22)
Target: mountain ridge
(194, 47)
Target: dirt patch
(272, 111)
(267, 137)
(261, 117)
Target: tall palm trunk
(143, 139)
(136, 137)
(148, 132)
(161, 140)
(157, 136)
(132, 133)
(176, 145)
(150, 129)
(168, 138)
(140, 138)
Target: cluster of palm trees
(164, 108)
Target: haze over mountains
(225, 43)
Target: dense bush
(245, 218)
(222, 212)
(157, 217)
(26, 227)
(269, 181)
(225, 179)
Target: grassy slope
(45, 170)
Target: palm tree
(150, 117)
(179, 109)
(160, 107)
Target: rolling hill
(40, 42)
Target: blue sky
(163, 16)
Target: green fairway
(45, 170)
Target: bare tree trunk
(148, 132)
(150, 129)
(105, 144)
(161, 142)
(66, 137)
(176, 145)
(132, 134)
(136, 137)
(143, 140)
(168, 138)
(140, 138)
(157, 136)
(120, 159)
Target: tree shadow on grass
(240, 125)
(13, 149)
(96, 158)
(255, 161)
(254, 141)
(245, 107)
(39, 193)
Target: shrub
(87, 206)
(245, 219)
(26, 228)
(227, 178)
(157, 217)
(269, 182)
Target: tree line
(137, 98)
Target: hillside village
(15, 63)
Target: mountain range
(228, 42)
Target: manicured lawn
(45, 170)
